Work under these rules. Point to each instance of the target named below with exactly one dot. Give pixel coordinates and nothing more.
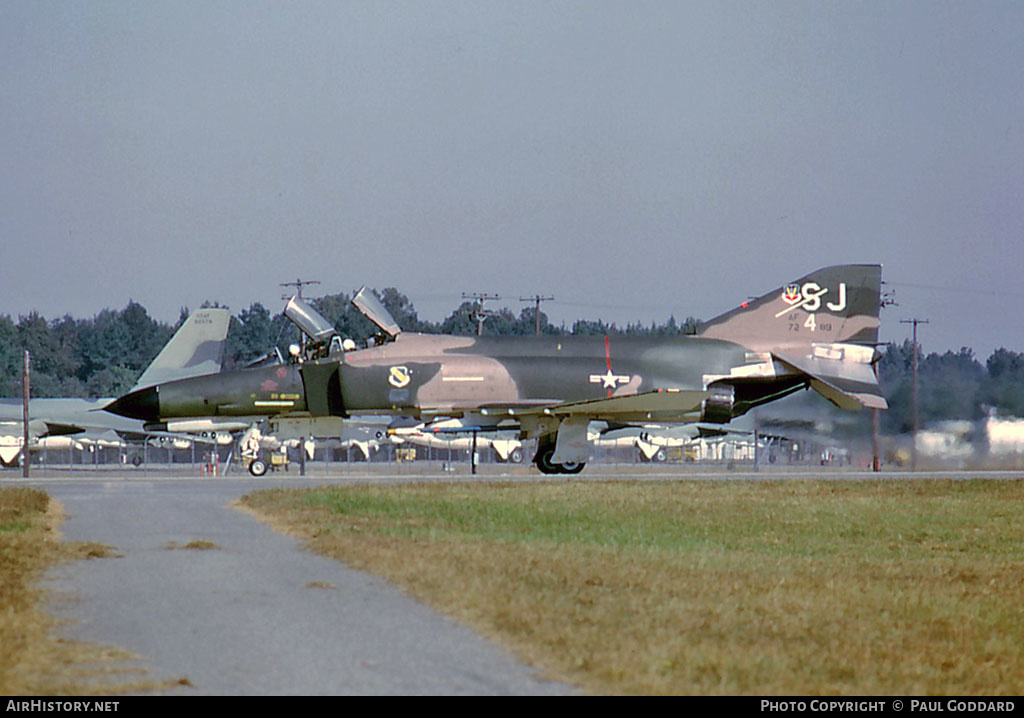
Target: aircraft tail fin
(196, 349)
(824, 325)
(9, 455)
(834, 304)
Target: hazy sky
(634, 159)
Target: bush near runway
(802, 587)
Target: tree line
(952, 385)
(104, 355)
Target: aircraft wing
(57, 428)
(645, 405)
(42, 428)
(12, 434)
(36, 429)
(667, 405)
(81, 418)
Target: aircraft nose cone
(143, 404)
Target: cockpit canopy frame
(371, 308)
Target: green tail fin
(832, 305)
(197, 348)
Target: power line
(967, 290)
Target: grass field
(806, 587)
(33, 659)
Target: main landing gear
(545, 452)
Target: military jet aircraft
(819, 331)
(195, 349)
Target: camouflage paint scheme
(819, 332)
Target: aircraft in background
(819, 332)
(654, 442)
(197, 348)
(452, 434)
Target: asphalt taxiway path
(257, 614)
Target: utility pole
(913, 400)
(876, 464)
(298, 284)
(480, 314)
(755, 449)
(25, 386)
(536, 299)
(472, 455)
(888, 299)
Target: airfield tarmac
(258, 615)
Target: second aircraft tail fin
(197, 348)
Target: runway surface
(257, 614)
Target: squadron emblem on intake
(398, 377)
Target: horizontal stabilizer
(847, 383)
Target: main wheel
(258, 467)
(516, 456)
(572, 467)
(543, 460)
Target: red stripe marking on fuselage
(608, 357)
